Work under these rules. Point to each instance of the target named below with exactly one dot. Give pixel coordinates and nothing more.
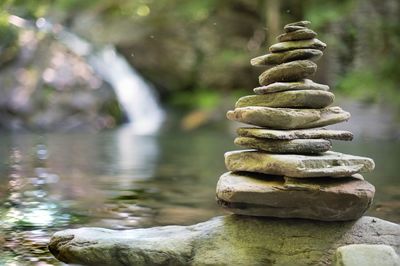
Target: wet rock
(227, 240)
(325, 199)
(305, 84)
(291, 55)
(319, 133)
(291, 45)
(330, 164)
(291, 71)
(366, 255)
(287, 118)
(300, 34)
(291, 99)
(299, 146)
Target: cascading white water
(135, 95)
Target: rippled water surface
(118, 180)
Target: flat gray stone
(288, 118)
(289, 99)
(325, 199)
(319, 133)
(291, 71)
(226, 240)
(305, 84)
(366, 255)
(303, 44)
(331, 164)
(300, 34)
(302, 23)
(291, 28)
(291, 55)
(296, 146)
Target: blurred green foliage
(197, 51)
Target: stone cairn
(287, 170)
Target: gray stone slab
(325, 199)
(319, 133)
(305, 84)
(296, 146)
(331, 164)
(289, 99)
(291, 45)
(288, 118)
(300, 34)
(288, 56)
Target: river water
(119, 180)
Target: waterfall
(135, 95)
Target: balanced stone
(288, 118)
(291, 71)
(302, 23)
(291, 45)
(291, 55)
(305, 84)
(297, 146)
(293, 99)
(332, 164)
(325, 199)
(291, 28)
(320, 133)
(301, 34)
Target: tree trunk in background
(273, 20)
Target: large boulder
(227, 240)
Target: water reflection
(28, 211)
(119, 180)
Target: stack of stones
(287, 170)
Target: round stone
(291, 71)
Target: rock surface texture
(227, 240)
(287, 143)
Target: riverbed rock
(303, 44)
(305, 84)
(318, 133)
(291, 71)
(288, 118)
(366, 255)
(291, 55)
(290, 99)
(226, 240)
(296, 146)
(331, 164)
(325, 199)
(300, 34)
